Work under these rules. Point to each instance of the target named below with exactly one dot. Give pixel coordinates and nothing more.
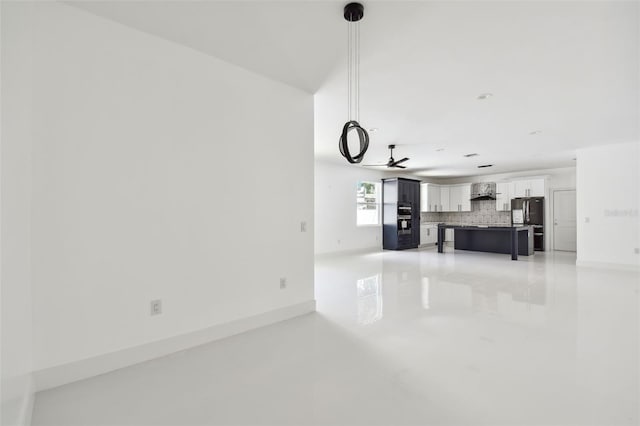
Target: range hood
(483, 191)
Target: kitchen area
(501, 217)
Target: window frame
(377, 203)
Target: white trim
(363, 250)
(604, 265)
(67, 373)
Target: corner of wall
(18, 395)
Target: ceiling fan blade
(399, 167)
(374, 165)
(396, 163)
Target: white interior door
(564, 220)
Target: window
(368, 203)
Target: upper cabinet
(445, 198)
(457, 198)
(503, 196)
(460, 198)
(527, 188)
(424, 197)
(429, 197)
(536, 188)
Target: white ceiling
(569, 69)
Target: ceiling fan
(391, 162)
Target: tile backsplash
(482, 212)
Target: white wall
(335, 208)
(158, 173)
(608, 201)
(16, 305)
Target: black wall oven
(404, 218)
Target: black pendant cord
(353, 12)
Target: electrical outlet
(338, 241)
(156, 307)
(636, 250)
(586, 220)
(303, 226)
(283, 283)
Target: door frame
(552, 193)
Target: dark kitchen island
(506, 239)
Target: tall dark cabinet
(400, 213)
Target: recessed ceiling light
(484, 96)
(373, 130)
(471, 155)
(535, 132)
(485, 165)
(439, 149)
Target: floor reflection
(425, 292)
(370, 303)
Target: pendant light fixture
(353, 13)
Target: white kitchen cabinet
(536, 188)
(519, 188)
(465, 201)
(424, 197)
(444, 205)
(454, 198)
(449, 234)
(460, 198)
(432, 198)
(432, 234)
(503, 196)
(428, 234)
(527, 188)
(445, 198)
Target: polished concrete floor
(401, 338)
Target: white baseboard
(604, 265)
(329, 254)
(17, 400)
(67, 373)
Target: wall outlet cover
(283, 283)
(156, 307)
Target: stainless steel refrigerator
(530, 211)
